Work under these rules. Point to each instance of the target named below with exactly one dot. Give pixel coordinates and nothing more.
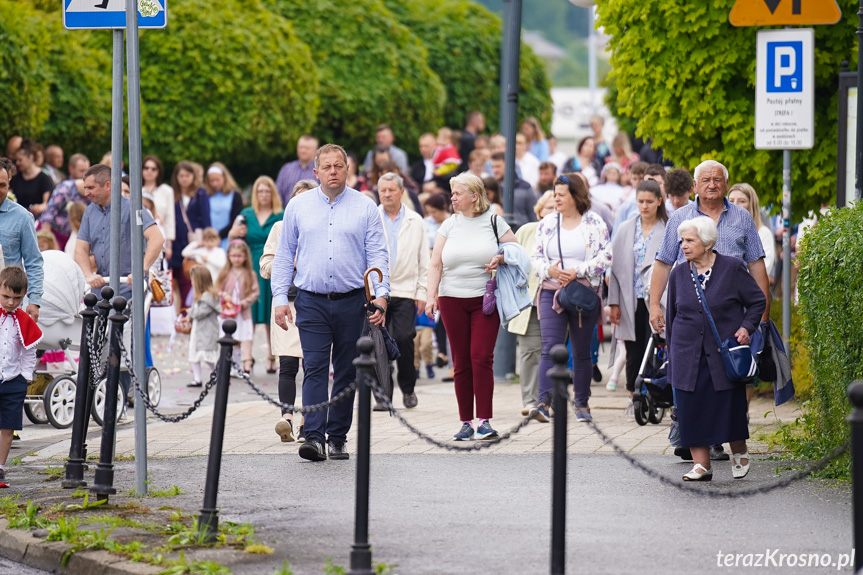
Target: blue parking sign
(784, 66)
(111, 14)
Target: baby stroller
(51, 395)
(653, 393)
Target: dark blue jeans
(554, 327)
(328, 326)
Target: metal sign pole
(786, 250)
(116, 158)
(139, 274)
(511, 59)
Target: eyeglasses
(562, 180)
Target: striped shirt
(289, 175)
(333, 243)
(738, 237)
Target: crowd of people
(590, 239)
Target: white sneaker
(629, 412)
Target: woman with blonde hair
(744, 196)
(621, 151)
(464, 256)
(226, 203)
(254, 226)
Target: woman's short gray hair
(704, 227)
(707, 164)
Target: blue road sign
(785, 66)
(110, 14)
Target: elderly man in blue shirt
(738, 238)
(18, 239)
(331, 234)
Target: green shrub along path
(830, 286)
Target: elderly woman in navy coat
(711, 408)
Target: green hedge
(830, 286)
(465, 52)
(232, 83)
(372, 71)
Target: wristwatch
(386, 298)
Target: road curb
(23, 547)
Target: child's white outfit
(216, 257)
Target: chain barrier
(340, 396)
(145, 395)
(98, 368)
(383, 399)
(749, 492)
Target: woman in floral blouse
(582, 236)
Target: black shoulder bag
(575, 297)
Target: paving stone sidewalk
(250, 427)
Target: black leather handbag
(574, 297)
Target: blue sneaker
(465, 433)
(540, 413)
(485, 431)
(583, 416)
(429, 372)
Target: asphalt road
(490, 514)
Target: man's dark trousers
(401, 324)
(325, 325)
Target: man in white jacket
(409, 261)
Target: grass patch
(259, 548)
(172, 491)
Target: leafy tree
(372, 70)
(466, 54)
(60, 82)
(229, 82)
(25, 91)
(688, 77)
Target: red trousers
(472, 336)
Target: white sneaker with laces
(629, 412)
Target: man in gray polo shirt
(94, 237)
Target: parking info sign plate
(785, 90)
(109, 14)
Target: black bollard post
(361, 551)
(561, 377)
(855, 395)
(103, 482)
(75, 463)
(208, 521)
(103, 308)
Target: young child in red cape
(19, 335)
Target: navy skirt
(710, 417)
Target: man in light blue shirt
(334, 234)
(18, 239)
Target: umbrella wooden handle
(366, 281)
